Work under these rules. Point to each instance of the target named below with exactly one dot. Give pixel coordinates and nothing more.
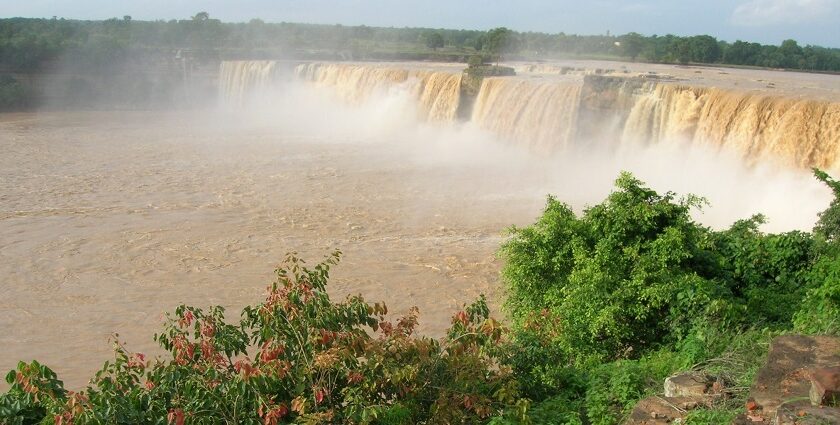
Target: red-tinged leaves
(273, 416)
(137, 361)
(355, 377)
(187, 319)
(460, 317)
(317, 355)
(208, 330)
(175, 417)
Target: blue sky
(766, 21)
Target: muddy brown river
(109, 219)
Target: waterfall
(239, 79)
(552, 113)
(800, 132)
(539, 114)
(437, 92)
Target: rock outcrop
(798, 385)
(683, 392)
(782, 386)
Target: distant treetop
(28, 44)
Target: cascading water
(539, 114)
(549, 114)
(437, 92)
(800, 132)
(238, 79)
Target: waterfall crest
(553, 113)
(539, 114)
(437, 92)
(799, 132)
(239, 79)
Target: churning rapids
(109, 219)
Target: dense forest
(28, 45)
(602, 306)
(146, 63)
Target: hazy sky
(767, 21)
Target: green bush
(475, 60)
(619, 279)
(636, 272)
(614, 388)
(769, 273)
(828, 225)
(819, 312)
(603, 306)
(606, 304)
(297, 357)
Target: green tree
(432, 39)
(704, 49)
(828, 225)
(742, 53)
(632, 45)
(680, 50)
(201, 17)
(500, 41)
(613, 276)
(792, 54)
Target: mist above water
(111, 218)
(499, 164)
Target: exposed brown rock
(787, 372)
(825, 386)
(662, 410)
(800, 412)
(689, 384)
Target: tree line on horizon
(125, 61)
(29, 45)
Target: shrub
(475, 60)
(828, 225)
(819, 312)
(540, 363)
(614, 388)
(636, 273)
(297, 357)
(618, 279)
(768, 272)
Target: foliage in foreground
(604, 305)
(297, 357)
(632, 290)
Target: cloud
(775, 12)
